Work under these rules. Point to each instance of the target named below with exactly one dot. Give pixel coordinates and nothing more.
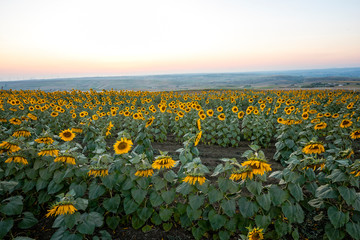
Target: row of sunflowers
(86, 159)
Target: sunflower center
(67, 134)
(122, 145)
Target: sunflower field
(85, 161)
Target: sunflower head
(123, 146)
(255, 234)
(67, 135)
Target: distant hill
(316, 78)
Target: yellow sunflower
(144, 173)
(210, 112)
(45, 140)
(149, 122)
(235, 109)
(193, 179)
(98, 172)
(15, 121)
(65, 159)
(242, 173)
(163, 162)
(49, 152)
(258, 166)
(345, 123)
(321, 125)
(256, 234)
(241, 114)
(123, 146)
(21, 133)
(355, 134)
(67, 135)
(11, 147)
(61, 209)
(17, 159)
(221, 116)
(197, 138)
(313, 147)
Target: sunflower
(49, 152)
(76, 130)
(163, 162)
(355, 134)
(305, 115)
(67, 135)
(258, 166)
(102, 172)
(17, 159)
(32, 116)
(242, 173)
(210, 112)
(45, 140)
(356, 173)
(123, 146)
(198, 124)
(345, 123)
(256, 234)
(61, 209)
(319, 126)
(313, 147)
(193, 179)
(220, 109)
(221, 116)
(149, 122)
(350, 105)
(235, 109)
(280, 120)
(314, 164)
(3, 120)
(54, 114)
(197, 138)
(144, 172)
(15, 121)
(335, 115)
(65, 159)
(241, 114)
(21, 133)
(11, 147)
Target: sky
(75, 38)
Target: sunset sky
(74, 38)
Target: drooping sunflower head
(321, 125)
(62, 208)
(45, 140)
(193, 179)
(242, 172)
(163, 161)
(197, 138)
(67, 135)
(313, 163)
(98, 171)
(313, 147)
(123, 146)
(149, 122)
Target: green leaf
(295, 191)
(81, 203)
(146, 228)
(325, 191)
(155, 219)
(112, 222)
(277, 195)
(293, 212)
(254, 187)
(86, 227)
(184, 188)
(170, 176)
(41, 184)
(217, 221)
(337, 176)
(109, 181)
(168, 196)
(12, 206)
(353, 229)
(333, 233)
(70, 220)
(264, 201)
(229, 207)
(214, 196)
(167, 226)
(295, 234)
(155, 199)
(196, 201)
(28, 221)
(224, 235)
(95, 190)
(337, 218)
(198, 232)
(136, 222)
(223, 184)
(128, 184)
(130, 206)
(348, 194)
(10, 185)
(262, 221)
(159, 183)
(97, 218)
(54, 187)
(138, 195)
(145, 213)
(112, 204)
(281, 228)
(165, 214)
(5, 226)
(45, 174)
(247, 208)
(289, 143)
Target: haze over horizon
(50, 39)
